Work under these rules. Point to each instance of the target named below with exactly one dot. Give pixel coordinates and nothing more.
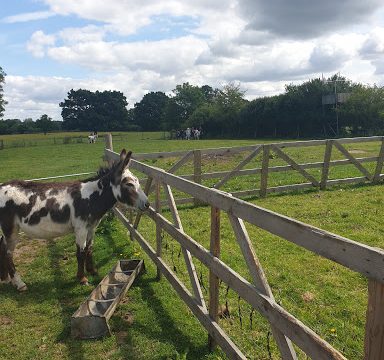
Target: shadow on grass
(64, 294)
(165, 330)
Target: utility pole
(335, 81)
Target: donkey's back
(40, 210)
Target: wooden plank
(238, 167)
(311, 343)
(374, 327)
(158, 155)
(295, 165)
(176, 166)
(345, 152)
(186, 254)
(260, 280)
(197, 170)
(354, 180)
(327, 159)
(264, 171)
(181, 162)
(379, 164)
(159, 239)
(213, 328)
(214, 285)
(146, 191)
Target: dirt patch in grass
(308, 296)
(5, 320)
(27, 249)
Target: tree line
(330, 107)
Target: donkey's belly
(46, 229)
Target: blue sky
(51, 46)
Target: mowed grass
(152, 323)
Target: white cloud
(262, 44)
(39, 42)
(30, 16)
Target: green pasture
(151, 322)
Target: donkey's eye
(130, 185)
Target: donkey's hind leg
(11, 240)
(4, 273)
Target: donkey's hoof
(22, 288)
(6, 280)
(84, 282)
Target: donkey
(50, 210)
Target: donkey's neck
(99, 196)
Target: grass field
(152, 323)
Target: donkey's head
(126, 186)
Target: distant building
(330, 99)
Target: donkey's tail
(3, 260)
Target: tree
(88, 111)
(229, 101)
(44, 123)
(363, 112)
(2, 101)
(188, 98)
(149, 112)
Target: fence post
(327, 159)
(213, 279)
(264, 171)
(108, 145)
(108, 141)
(197, 170)
(158, 226)
(379, 164)
(374, 327)
(1, 144)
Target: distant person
(188, 134)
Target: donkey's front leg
(81, 240)
(89, 265)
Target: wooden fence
(286, 328)
(264, 151)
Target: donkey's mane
(103, 170)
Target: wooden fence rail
(265, 170)
(286, 329)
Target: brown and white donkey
(50, 210)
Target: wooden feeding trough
(90, 320)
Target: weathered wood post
(379, 164)
(213, 279)
(264, 171)
(108, 141)
(108, 145)
(327, 159)
(374, 327)
(197, 170)
(1, 144)
(158, 226)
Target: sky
(48, 47)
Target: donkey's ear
(127, 159)
(123, 154)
